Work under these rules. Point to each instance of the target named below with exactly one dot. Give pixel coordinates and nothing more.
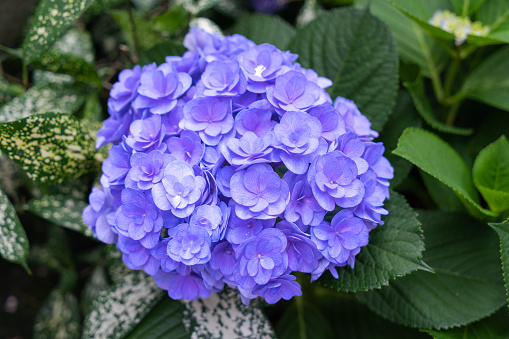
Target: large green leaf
(171, 21)
(495, 14)
(466, 7)
(42, 99)
(49, 147)
(493, 327)
(491, 174)
(13, 239)
(265, 29)
(96, 283)
(164, 321)
(61, 210)
(51, 19)
(413, 44)
(394, 249)
(442, 195)
(489, 82)
(147, 36)
(159, 52)
(467, 284)
(437, 158)
(223, 315)
(58, 317)
(356, 51)
(503, 232)
(120, 308)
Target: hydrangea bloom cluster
(461, 27)
(232, 165)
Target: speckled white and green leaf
(61, 210)
(58, 317)
(43, 98)
(13, 239)
(97, 282)
(196, 6)
(120, 308)
(51, 19)
(223, 315)
(49, 147)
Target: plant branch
(133, 30)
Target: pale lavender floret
(208, 217)
(337, 240)
(293, 92)
(240, 230)
(160, 252)
(188, 286)
(180, 190)
(223, 178)
(302, 209)
(138, 219)
(354, 119)
(371, 207)
(302, 253)
(222, 78)
(260, 258)
(124, 91)
(249, 149)
(313, 76)
(223, 258)
(116, 166)
(235, 44)
(202, 42)
(256, 120)
(211, 117)
(259, 192)
(95, 216)
(350, 145)
(373, 154)
(190, 63)
(147, 134)
(171, 120)
(147, 169)
(333, 179)
(210, 193)
(333, 125)
(282, 287)
(160, 88)
(189, 244)
(187, 147)
(212, 159)
(114, 128)
(298, 135)
(136, 256)
(323, 265)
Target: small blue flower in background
(226, 167)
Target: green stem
(9, 50)
(299, 303)
(134, 31)
(437, 86)
(453, 111)
(451, 76)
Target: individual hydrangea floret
(256, 120)
(147, 169)
(187, 147)
(189, 244)
(147, 134)
(249, 149)
(222, 78)
(102, 203)
(354, 119)
(136, 256)
(210, 218)
(116, 166)
(283, 287)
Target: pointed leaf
(58, 317)
(356, 51)
(502, 230)
(265, 29)
(466, 286)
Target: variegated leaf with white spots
(49, 147)
(13, 239)
(223, 315)
(97, 282)
(120, 308)
(51, 19)
(61, 210)
(58, 317)
(43, 98)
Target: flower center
(259, 69)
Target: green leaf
(356, 51)
(147, 36)
(493, 327)
(13, 239)
(58, 317)
(489, 82)
(265, 29)
(467, 284)
(121, 307)
(502, 230)
(61, 210)
(8, 91)
(223, 315)
(495, 14)
(164, 321)
(51, 19)
(491, 174)
(170, 21)
(394, 249)
(442, 195)
(413, 44)
(159, 52)
(49, 147)
(42, 99)
(97, 282)
(423, 106)
(437, 158)
(303, 320)
(466, 8)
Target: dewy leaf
(120, 308)
(223, 315)
(489, 82)
(265, 29)
(50, 147)
(423, 106)
(61, 210)
(356, 51)
(58, 317)
(467, 284)
(51, 19)
(13, 239)
(437, 158)
(164, 321)
(503, 232)
(42, 99)
(491, 174)
(394, 249)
